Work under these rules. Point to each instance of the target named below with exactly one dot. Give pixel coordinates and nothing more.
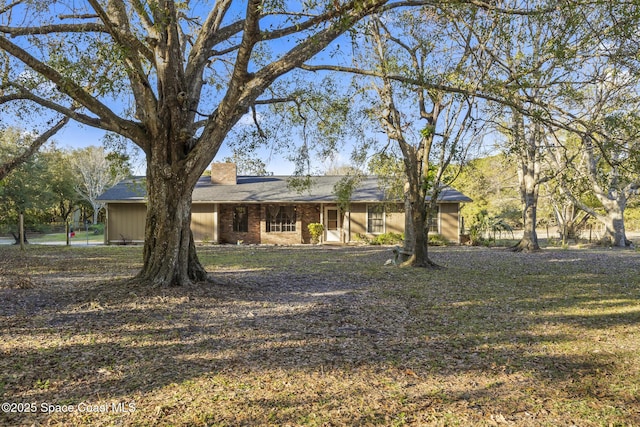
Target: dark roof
(268, 189)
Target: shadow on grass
(513, 319)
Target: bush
(387, 239)
(315, 229)
(437, 240)
(97, 229)
(484, 228)
(39, 228)
(362, 238)
(632, 219)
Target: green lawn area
(315, 336)
(79, 238)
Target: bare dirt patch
(322, 336)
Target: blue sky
(75, 136)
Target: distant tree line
(52, 184)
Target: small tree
(95, 174)
(27, 191)
(62, 185)
(432, 127)
(42, 187)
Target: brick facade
(223, 173)
(257, 225)
(225, 224)
(308, 214)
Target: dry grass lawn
(315, 336)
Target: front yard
(316, 336)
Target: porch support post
(215, 224)
(347, 218)
(106, 224)
(340, 224)
(322, 222)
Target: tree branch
(53, 29)
(117, 22)
(145, 19)
(117, 25)
(234, 105)
(7, 167)
(108, 119)
(10, 6)
(517, 102)
(129, 129)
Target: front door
(332, 224)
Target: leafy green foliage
(27, 190)
(485, 227)
(387, 239)
(96, 229)
(390, 171)
(428, 131)
(315, 229)
(300, 183)
(343, 190)
(311, 122)
(492, 183)
(437, 240)
(632, 218)
(43, 188)
(247, 163)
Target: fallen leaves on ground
(322, 336)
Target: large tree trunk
(409, 233)
(613, 220)
(613, 196)
(96, 211)
(418, 212)
(420, 257)
(529, 241)
(169, 251)
(529, 180)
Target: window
(332, 219)
(375, 219)
(281, 219)
(240, 219)
(433, 223)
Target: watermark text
(114, 407)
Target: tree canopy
(173, 77)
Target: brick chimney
(223, 173)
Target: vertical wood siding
(202, 222)
(449, 227)
(126, 222)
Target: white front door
(332, 224)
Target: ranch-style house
(228, 208)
